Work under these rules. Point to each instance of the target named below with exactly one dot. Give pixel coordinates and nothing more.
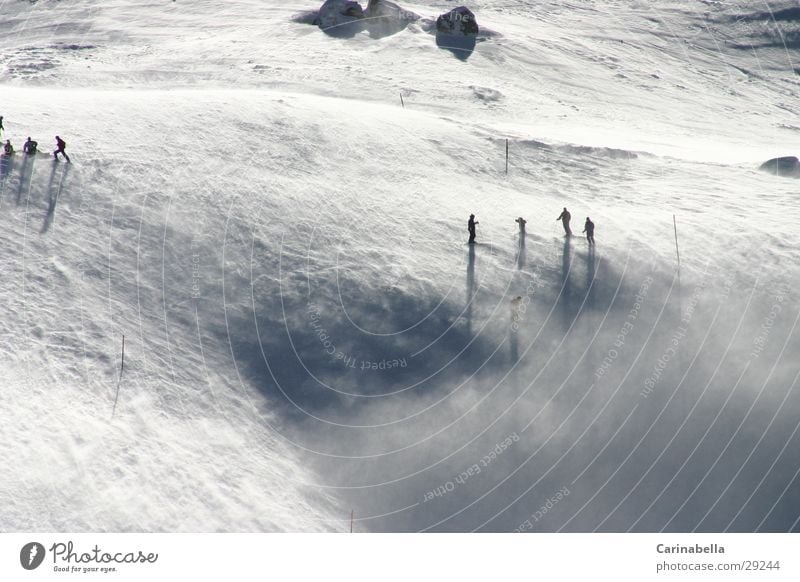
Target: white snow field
(282, 244)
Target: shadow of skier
(53, 192)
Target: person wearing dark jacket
(8, 149)
(30, 147)
(60, 145)
(565, 217)
(471, 228)
(588, 228)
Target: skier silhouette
(521, 222)
(565, 217)
(588, 228)
(60, 145)
(30, 147)
(2, 129)
(471, 228)
(8, 149)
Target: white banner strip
(342, 557)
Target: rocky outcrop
(335, 13)
(459, 20)
(785, 166)
(384, 18)
(346, 18)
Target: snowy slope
(282, 245)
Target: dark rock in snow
(784, 166)
(459, 20)
(340, 17)
(457, 32)
(384, 18)
(346, 18)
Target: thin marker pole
(506, 156)
(680, 290)
(677, 250)
(403, 103)
(351, 521)
(119, 381)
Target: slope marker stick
(351, 521)
(506, 156)
(680, 291)
(403, 103)
(677, 250)
(119, 381)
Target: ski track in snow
(282, 244)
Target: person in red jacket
(60, 145)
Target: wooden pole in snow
(351, 521)
(403, 103)
(506, 156)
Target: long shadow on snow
(53, 192)
(316, 361)
(25, 177)
(309, 356)
(6, 166)
(462, 46)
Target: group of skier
(588, 226)
(30, 147)
(564, 217)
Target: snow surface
(251, 206)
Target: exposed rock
(347, 18)
(335, 13)
(784, 166)
(384, 18)
(459, 20)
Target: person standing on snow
(588, 228)
(30, 147)
(60, 145)
(8, 149)
(471, 228)
(521, 222)
(565, 217)
(2, 129)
